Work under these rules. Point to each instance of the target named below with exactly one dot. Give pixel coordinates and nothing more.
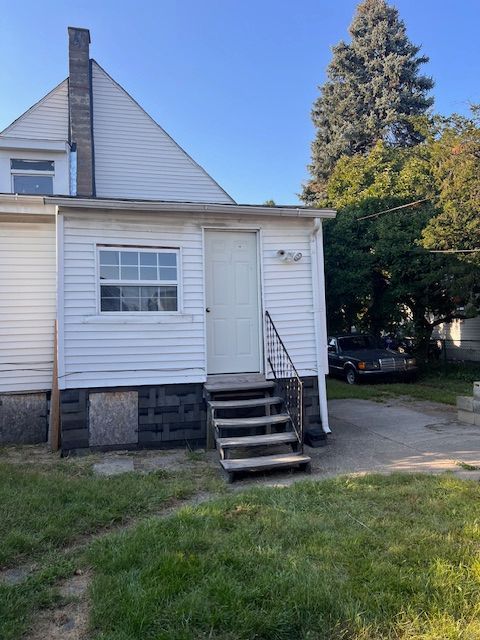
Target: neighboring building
(460, 339)
(155, 276)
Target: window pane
(168, 292)
(33, 185)
(110, 304)
(168, 273)
(149, 299)
(108, 273)
(148, 273)
(110, 292)
(32, 165)
(129, 273)
(168, 298)
(108, 257)
(167, 259)
(168, 304)
(130, 304)
(129, 257)
(148, 258)
(130, 292)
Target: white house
(158, 281)
(461, 339)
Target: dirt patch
(68, 621)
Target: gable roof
(135, 157)
(47, 119)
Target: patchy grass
(20, 602)
(43, 508)
(435, 383)
(372, 558)
(49, 505)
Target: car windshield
(356, 343)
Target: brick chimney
(81, 109)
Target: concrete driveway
(398, 435)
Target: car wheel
(351, 375)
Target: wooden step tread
(217, 387)
(243, 404)
(265, 462)
(251, 422)
(255, 441)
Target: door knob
(207, 309)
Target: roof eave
(188, 207)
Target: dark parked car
(359, 356)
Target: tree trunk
(423, 334)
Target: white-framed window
(32, 177)
(138, 279)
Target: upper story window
(138, 279)
(32, 177)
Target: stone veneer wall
(167, 416)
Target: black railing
(289, 385)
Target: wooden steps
(243, 404)
(239, 423)
(251, 430)
(219, 384)
(265, 462)
(257, 441)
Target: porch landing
(236, 381)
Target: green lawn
(368, 558)
(436, 383)
(379, 557)
(45, 507)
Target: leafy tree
(377, 274)
(456, 168)
(374, 92)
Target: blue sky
(232, 81)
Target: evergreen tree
(373, 92)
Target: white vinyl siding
(462, 338)
(46, 120)
(104, 351)
(101, 350)
(27, 311)
(288, 294)
(135, 158)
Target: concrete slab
(395, 436)
(114, 467)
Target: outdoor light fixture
(289, 256)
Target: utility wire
(402, 206)
(454, 251)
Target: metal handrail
(289, 384)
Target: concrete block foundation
(161, 416)
(468, 407)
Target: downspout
(320, 318)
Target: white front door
(232, 293)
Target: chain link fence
(457, 350)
